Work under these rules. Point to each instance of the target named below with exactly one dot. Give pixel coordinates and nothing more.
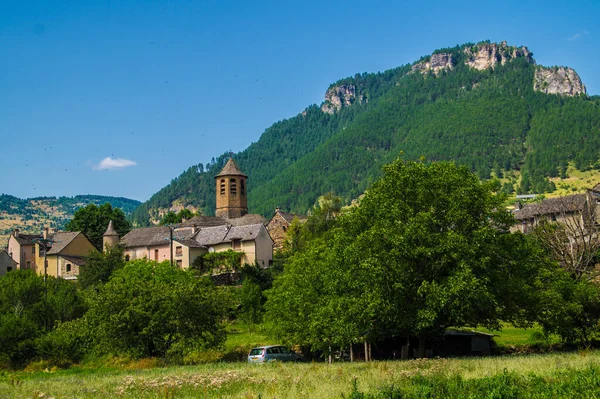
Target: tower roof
(230, 169)
(110, 231)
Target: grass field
(320, 380)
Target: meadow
(549, 375)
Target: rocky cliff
(337, 97)
(488, 55)
(437, 62)
(558, 80)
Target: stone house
(233, 228)
(7, 263)
(575, 210)
(65, 253)
(279, 224)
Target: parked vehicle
(273, 353)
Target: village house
(279, 224)
(7, 263)
(64, 252)
(575, 210)
(233, 228)
(21, 248)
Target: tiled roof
(110, 231)
(158, 235)
(211, 230)
(289, 217)
(570, 203)
(189, 243)
(211, 235)
(3, 251)
(27, 239)
(246, 220)
(59, 241)
(78, 260)
(206, 221)
(230, 169)
(244, 233)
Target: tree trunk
(351, 353)
(421, 349)
(330, 359)
(366, 351)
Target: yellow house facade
(65, 253)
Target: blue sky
(119, 97)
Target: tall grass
(532, 375)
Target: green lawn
(512, 336)
(241, 334)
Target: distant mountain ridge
(485, 105)
(32, 214)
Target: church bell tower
(231, 192)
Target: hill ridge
(476, 104)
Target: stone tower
(231, 192)
(110, 237)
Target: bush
(67, 344)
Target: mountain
(32, 214)
(485, 105)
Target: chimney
(16, 233)
(45, 233)
(194, 228)
(276, 209)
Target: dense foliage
(491, 121)
(99, 266)
(428, 248)
(93, 221)
(30, 308)
(150, 309)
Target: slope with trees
(490, 120)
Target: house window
(242, 187)
(33, 250)
(222, 186)
(232, 186)
(236, 244)
(126, 258)
(68, 268)
(179, 263)
(553, 218)
(178, 251)
(9, 269)
(28, 264)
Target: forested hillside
(474, 104)
(32, 214)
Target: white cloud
(114, 163)
(578, 35)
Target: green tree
(99, 266)
(93, 220)
(29, 308)
(145, 309)
(427, 248)
(172, 217)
